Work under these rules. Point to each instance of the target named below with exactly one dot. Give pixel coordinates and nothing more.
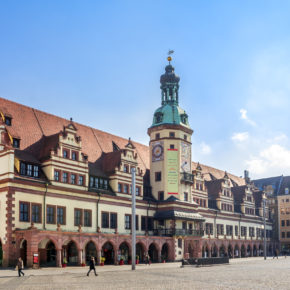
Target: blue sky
(100, 62)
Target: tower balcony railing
(177, 232)
(186, 177)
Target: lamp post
(264, 216)
(133, 224)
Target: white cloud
(244, 116)
(205, 148)
(240, 137)
(274, 160)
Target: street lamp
(133, 223)
(264, 216)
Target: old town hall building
(65, 192)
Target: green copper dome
(170, 112)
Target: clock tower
(170, 144)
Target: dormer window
(29, 169)
(158, 117)
(8, 121)
(74, 156)
(16, 143)
(65, 153)
(184, 118)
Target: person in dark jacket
(20, 267)
(92, 266)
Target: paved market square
(250, 273)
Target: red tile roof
(34, 126)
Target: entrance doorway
(23, 251)
(72, 254)
(108, 253)
(50, 255)
(124, 252)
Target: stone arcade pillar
(58, 258)
(159, 256)
(80, 256)
(99, 255)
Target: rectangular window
(29, 170)
(101, 181)
(288, 234)
(283, 223)
(87, 218)
(150, 223)
(81, 180)
(143, 223)
(96, 182)
(161, 195)
(65, 177)
(113, 220)
(50, 214)
(125, 188)
(36, 213)
(158, 176)
(171, 146)
(64, 153)
(127, 222)
(56, 175)
(61, 215)
(92, 181)
(137, 223)
(138, 190)
(119, 187)
(185, 196)
(74, 156)
(229, 230)
(105, 184)
(73, 179)
(184, 225)
(288, 223)
(22, 168)
(236, 230)
(35, 171)
(78, 217)
(105, 220)
(171, 134)
(24, 211)
(283, 234)
(157, 136)
(126, 168)
(185, 137)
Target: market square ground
(249, 273)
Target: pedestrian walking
(20, 267)
(276, 254)
(92, 266)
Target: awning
(174, 214)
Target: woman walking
(92, 266)
(20, 267)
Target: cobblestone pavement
(251, 273)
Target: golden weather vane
(169, 58)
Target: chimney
(246, 176)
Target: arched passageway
(72, 253)
(214, 251)
(140, 251)
(23, 251)
(47, 253)
(237, 251)
(255, 252)
(243, 251)
(190, 251)
(1, 254)
(230, 251)
(164, 252)
(222, 251)
(249, 251)
(205, 252)
(90, 251)
(261, 253)
(108, 253)
(124, 252)
(153, 253)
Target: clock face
(157, 152)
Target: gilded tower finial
(169, 58)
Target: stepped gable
(32, 125)
(210, 172)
